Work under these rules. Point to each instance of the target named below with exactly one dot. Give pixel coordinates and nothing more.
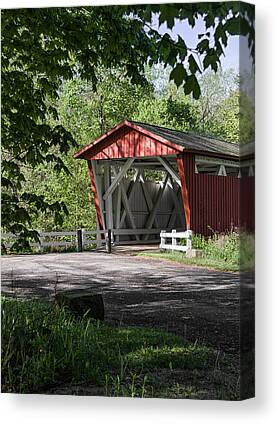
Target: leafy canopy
(221, 20)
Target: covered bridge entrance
(147, 178)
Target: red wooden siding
(247, 203)
(94, 190)
(128, 142)
(216, 202)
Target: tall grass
(225, 247)
(43, 346)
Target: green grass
(202, 262)
(45, 250)
(231, 252)
(43, 346)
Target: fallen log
(81, 303)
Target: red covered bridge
(147, 178)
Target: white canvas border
(51, 409)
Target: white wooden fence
(174, 236)
(79, 239)
(82, 239)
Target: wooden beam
(118, 211)
(170, 169)
(128, 210)
(245, 163)
(173, 218)
(148, 198)
(136, 174)
(173, 213)
(149, 201)
(184, 191)
(175, 193)
(222, 171)
(108, 201)
(145, 164)
(251, 171)
(140, 174)
(129, 196)
(118, 178)
(151, 217)
(128, 231)
(92, 169)
(177, 205)
(214, 161)
(131, 242)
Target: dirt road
(197, 303)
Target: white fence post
(174, 240)
(163, 240)
(189, 240)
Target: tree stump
(81, 303)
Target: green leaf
(191, 20)
(196, 88)
(219, 32)
(167, 14)
(182, 49)
(209, 20)
(192, 86)
(232, 26)
(171, 59)
(203, 46)
(211, 59)
(245, 28)
(224, 39)
(148, 13)
(193, 66)
(178, 74)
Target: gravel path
(197, 303)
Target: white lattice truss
(115, 195)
